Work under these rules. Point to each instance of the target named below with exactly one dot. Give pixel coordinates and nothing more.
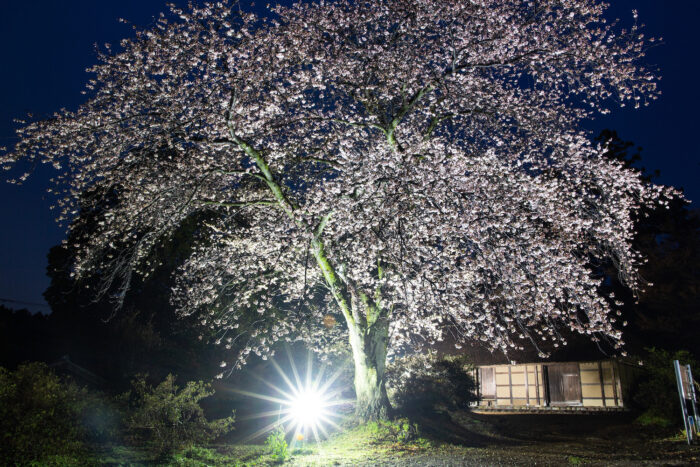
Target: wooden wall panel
(503, 391)
(502, 378)
(590, 391)
(591, 376)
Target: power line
(9, 300)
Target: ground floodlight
(307, 408)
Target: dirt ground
(569, 439)
(542, 439)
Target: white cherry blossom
(405, 166)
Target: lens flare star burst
(306, 406)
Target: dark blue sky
(46, 46)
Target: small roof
(64, 364)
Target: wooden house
(594, 385)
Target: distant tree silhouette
(146, 336)
(24, 336)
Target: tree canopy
(409, 167)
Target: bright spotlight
(307, 408)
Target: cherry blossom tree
(407, 167)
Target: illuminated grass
(362, 444)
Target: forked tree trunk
(369, 331)
(368, 328)
(369, 353)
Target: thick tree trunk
(369, 353)
(368, 328)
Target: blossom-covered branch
(407, 166)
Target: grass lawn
(460, 439)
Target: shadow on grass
(469, 429)
(561, 427)
(458, 428)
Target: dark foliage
(46, 419)
(419, 384)
(656, 392)
(145, 335)
(23, 337)
(168, 418)
(43, 418)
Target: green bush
(419, 383)
(167, 418)
(43, 419)
(656, 392)
(277, 444)
(197, 456)
(647, 418)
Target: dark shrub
(43, 418)
(419, 383)
(656, 392)
(168, 418)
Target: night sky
(46, 46)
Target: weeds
(277, 444)
(400, 431)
